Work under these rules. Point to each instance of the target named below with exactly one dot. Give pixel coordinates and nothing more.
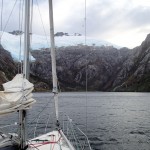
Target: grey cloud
(139, 17)
(13, 21)
(105, 18)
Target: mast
(26, 40)
(53, 59)
(23, 119)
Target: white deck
(50, 141)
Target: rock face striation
(100, 68)
(135, 72)
(99, 65)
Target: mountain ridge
(108, 69)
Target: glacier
(14, 43)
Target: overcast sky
(122, 22)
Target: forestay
(17, 95)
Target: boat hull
(49, 141)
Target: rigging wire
(86, 67)
(31, 22)
(85, 30)
(20, 66)
(39, 114)
(47, 122)
(19, 36)
(30, 29)
(1, 15)
(1, 19)
(42, 22)
(8, 19)
(46, 105)
(30, 143)
(21, 28)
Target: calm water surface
(115, 121)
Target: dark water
(115, 121)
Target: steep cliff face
(135, 72)
(101, 64)
(7, 66)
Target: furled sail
(17, 95)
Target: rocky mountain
(105, 67)
(102, 65)
(135, 72)
(7, 66)
(16, 32)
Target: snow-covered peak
(12, 42)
